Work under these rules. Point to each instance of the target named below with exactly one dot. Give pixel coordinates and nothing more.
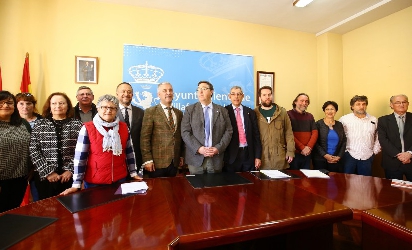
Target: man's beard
(267, 105)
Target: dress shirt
(243, 120)
(211, 123)
(122, 109)
(362, 137)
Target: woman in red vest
(104, 152)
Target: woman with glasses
(52, 146)
(14, 151)
(104, 151)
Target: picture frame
(86, 68)
(264, 78)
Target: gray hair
(84, 87)
(163, 83)
(391, 100)
(108, 98)
(236, 87)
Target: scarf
(111, 138)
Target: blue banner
(145, 67)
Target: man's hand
(149, 167)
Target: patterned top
(14, 150)
(44, 145)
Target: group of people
(67, 148)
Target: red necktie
(242, 135)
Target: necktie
(171, 121)
(207, 124)
(401, 125)
(242, 135)
(126, 116)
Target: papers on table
(132, 188)
(401, 183)
(314, 173)
(275, 174)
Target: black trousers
(170, 171)
(243, 162)
(48, 189)
(12, 193)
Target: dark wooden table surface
(357, 192)
(173, 214)
(388, 227)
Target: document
(275, 174)
(132, 188)
(314, 173)
(401, 183)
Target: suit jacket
(252, 135)
(158, 141)
(389, 139)
(136, 127)
(193, 133)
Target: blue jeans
(354, 166)
(300, 162)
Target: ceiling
(320, 16)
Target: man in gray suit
(132, 115)
(206, 131)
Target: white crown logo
(145, 73)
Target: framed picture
(264, 79)
(86, 69)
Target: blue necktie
(207, 125)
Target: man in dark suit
(206, 131)
(160, 138)
(245, 149)
(133, 117)
(395, 138)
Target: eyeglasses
(399, 103)
(236, 94)
(58, 103)
(202, 89)
(8, 104)
(105, 108)
(86, 94)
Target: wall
(377, 61)
(55, 31)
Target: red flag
(25, 80)
(1, 81)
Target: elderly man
(85, 109)
(160, 138)
(133, 116)
(278, 145)
(305, 131)
(206, 131)
(395, 138)
(362, 138)
(245, 150)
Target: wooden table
(357, 192)
(388, 227)
(173, 214)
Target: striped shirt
(81, 156)
(362, 137)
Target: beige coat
(277, 139)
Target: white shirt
(362, 137)
(122, 109)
